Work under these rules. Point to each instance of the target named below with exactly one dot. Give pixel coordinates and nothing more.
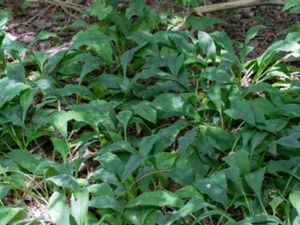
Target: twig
(235, 4)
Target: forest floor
(29, 20)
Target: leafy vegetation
(142, 122)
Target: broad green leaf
(105, 202)
(169, 105)
(95, 112)
(145, 110)
(218, 137)
(135, 161)
(89, 63)
(191, 206)
(290, 4)
(25, 159)
(100, 9)
(105, 175)
(142, 216)
(9, 90)
(43, 36)
(58, 209)
(241, 110)
(295, 200)
(174, 64)
(207, 44)
(167, 136)
(290, 141)
(275, 203)
(127, 57)
(213, 190)
(185, 141)
(7, 214)
(217, 74)
(88, 38)
(26, 101)
(41, 58)
(110, 162)
(5, 16)
(68, 90)
(146, 144)
(79, 206)
(240, 159)
(104, 50)
(264, 219)
(215, 95)
(64, 180)
(251, 33)
(156, 198)
(62, 146)
(101, 189)
(255, 180)
(15, 71)
(124, 117)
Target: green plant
(139, 124)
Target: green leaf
(291, 4)
(135, 161)
(240, 159)
(169, 105)
(110, 162)
(100, 9)
(64, 180)
(101, 189)
(167, 136)
(213, 190)
(89, 63)
(7, 214)
(241, 110)
(105, 175)
(127, 57)
(5, 16)
(215, 95)
(15, 71)
(145, 110)
(216, 74)
(146, 144)
(295, 200)
(104, 50)
(105, 202)
(9, 90)
(41, 58)
(26, 101)
(156, 198)
(58, 209)
(218, 137)
(191, 206)
(43, 36)
(174, 64)
(142, 216)
(79, 206)
(207, 44)
(61, 146)
(255, 180)
(25, 159)
(185, 141)
(290, 141)
(124, 117)
(88, 38)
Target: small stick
(235, 4)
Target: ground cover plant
(146, 119)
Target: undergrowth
(146, 119)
